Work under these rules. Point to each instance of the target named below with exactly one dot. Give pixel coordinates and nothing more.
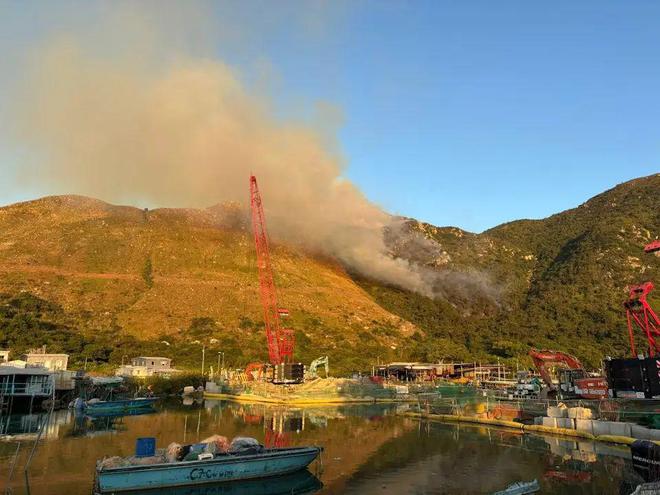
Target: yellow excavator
(312, 371)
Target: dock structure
(24, 384)
(415, 371)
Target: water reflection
(368, 449)
(102, 424)
(17, 427)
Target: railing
(39, 388)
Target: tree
(147, 273)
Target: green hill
(106, 282)
(562, 280)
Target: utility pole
(219, 361)
(203, 356)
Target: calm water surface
(368, 450)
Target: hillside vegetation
(108, 282)
(561, 280)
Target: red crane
(640, 313)
(280, 340)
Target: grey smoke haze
(145, 120)
(432, 264)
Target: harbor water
(369, 449)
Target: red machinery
(652, 247)
(254, 371)
(544, 358)
(641, 314)
(573, 381)
(280, 340)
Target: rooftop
(13, 370)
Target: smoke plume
(149, 122)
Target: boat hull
(298, 483)
(116, 406)
(274, 462)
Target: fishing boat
(92, 407)
(219, 468)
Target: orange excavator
(574, 383)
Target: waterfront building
(147, 366)
(52, 362)
(153, 363)
(24, 383)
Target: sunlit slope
(149, 273)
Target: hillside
(178, 274)
(561, 280)
(84, 276)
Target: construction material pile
(208, 448)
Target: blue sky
(458, 113)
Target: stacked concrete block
(565, 423)
(640, 432)
(585, 425)
(580, 413)
(612, 428)
(620, 429)
(550, 422)
(557, 411)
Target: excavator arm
(543, 359)
(314, 366)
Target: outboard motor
(646, 459)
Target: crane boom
(640, 313)
(280, 340)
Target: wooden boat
(223, 467)
(118, 406)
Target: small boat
(520, 488)
(647, 489)
(118, 406)
(222, 467)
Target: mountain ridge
(181, 274)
